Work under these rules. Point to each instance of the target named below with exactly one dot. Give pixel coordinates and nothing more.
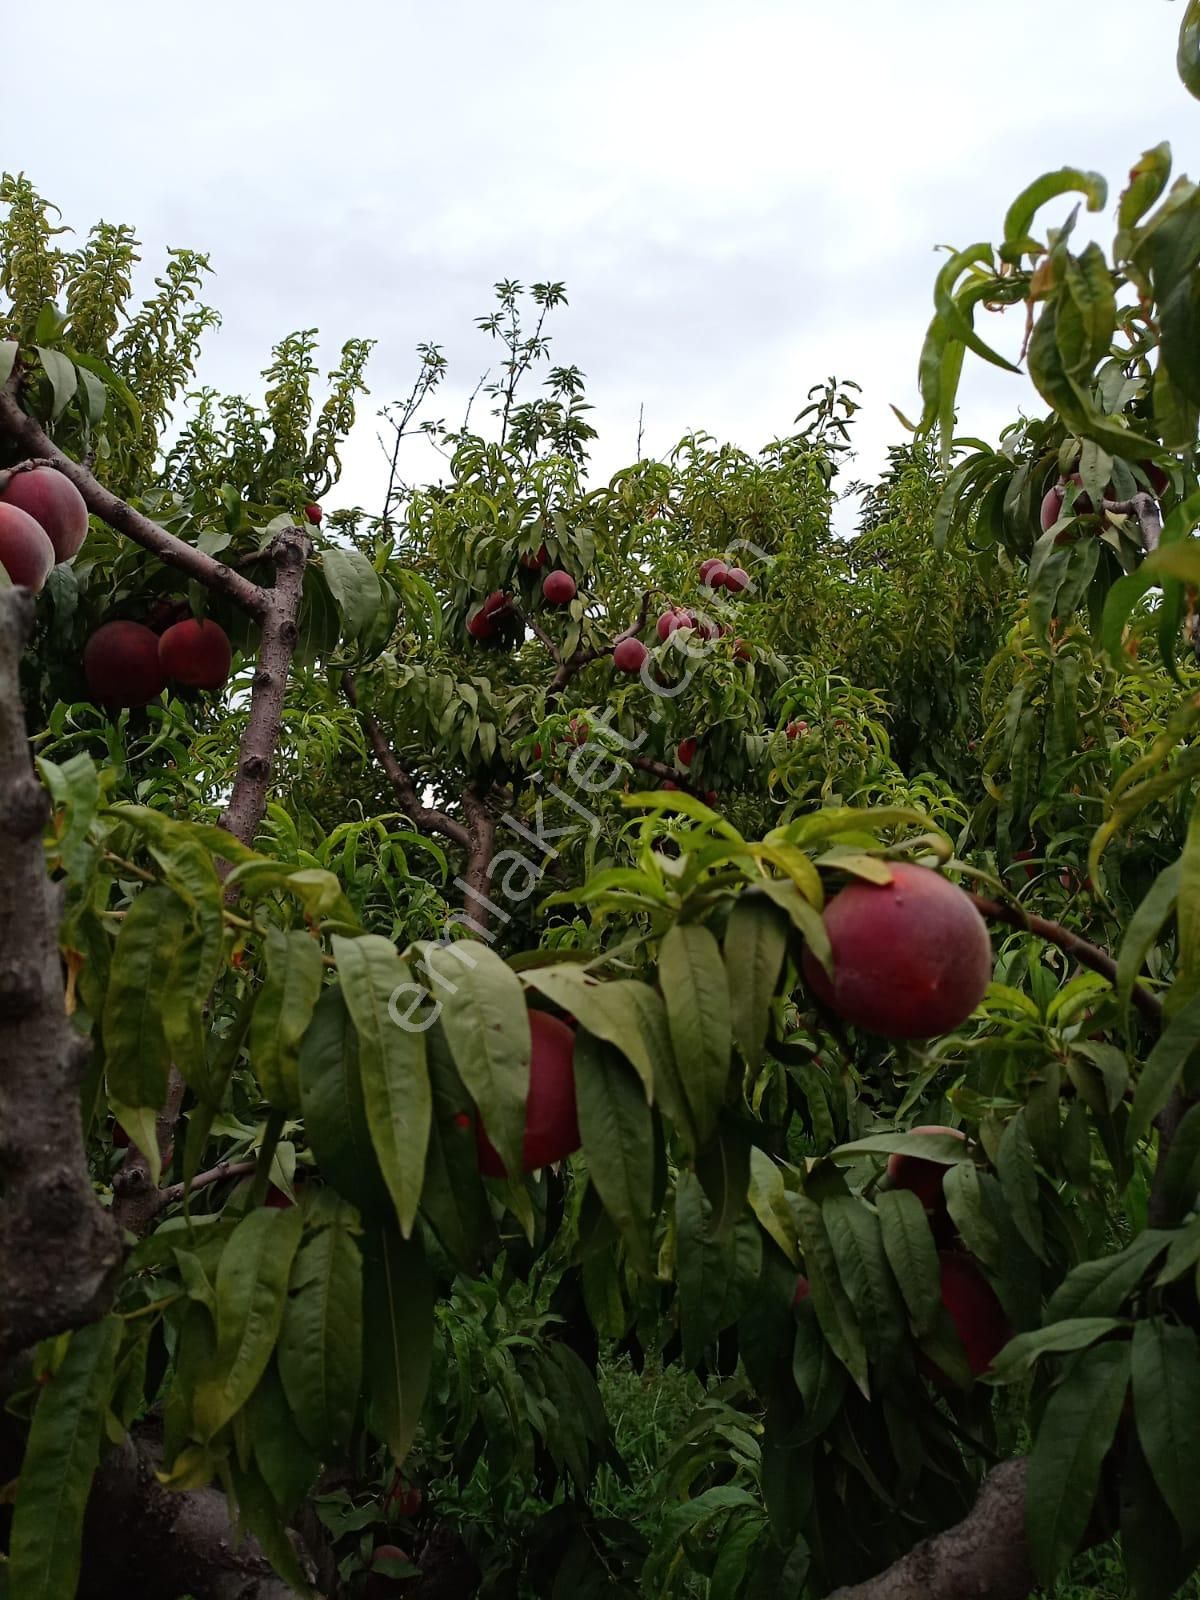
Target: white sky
(742, 196)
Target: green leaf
(767, 1195)
(61, 1454)
(135, 1046)
(830, 1301)
(63, 379)
(1017, 1171)
(755, 945)
(487, 1028)
(355, 587)
(1166, 1403)
(857, 1239)
(1147, 180)
(941, 1147)
(618, 1140)
(289, 1466)
(968, 1210)
(912, 1253)
(692, 976)
(320, 1344)
(1187, 57)
(1069, 180)
(283, 1012)
(717, 1273)
(1077, 1333)
(1143, 929)
(252, 1281)
(391, 1060)
(9, 350)
(258, 1514)
(335, 1114)
(1072, 1441)
(819, 1376)
(625, 1013)
(453, 1200)
(1101, 1287)
(1163, 1068)
(397, 1336)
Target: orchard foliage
(477, 1009)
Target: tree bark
(984, 1555)
(60, 1253)
(141, 1539)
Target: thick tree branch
(983, 1555)
(1072, 944)
(59, 1252)
(141, 1539)
(477, 876)
(28, 435)
(426, 819)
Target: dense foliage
(732, 1328)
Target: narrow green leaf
(767, 1195)
(1188, 54)
(252, 1281)
(397, 1336)
(618, 1140)
(1166, 1404)
(1072, 1441)
(135, 1047)
(63, 379)
(1144, 927)
(857, 1239)
(912, 1252)
(487, 1027)
(1163, 1068)
(1077, 1333)
(694, 985)
(616, 1012)
(1017, 1171)
(1099, 1288)
(717, 1273)
(61, 1454)
(335, 1115)
(283, 1012)
(391, 1060)
(834, 1311)
(453, 1200)
(320, 1343)
(755, 945)
(1069, 180)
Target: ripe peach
(737, 580)
(911, 959)
(713, 574)
(668, 783)
(26, 554)
(558, 588)
(314, 514)
(196, 653)
(711, 797)
(687, 751)
(533, 561)
(795, 729)
(974, 1309)
(742, 651)
(672, 620)
(551, 1121)
(629, 655)
(121, 665)
(924, 1178)
(52, 500)
(803, 1290)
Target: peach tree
(557, 924)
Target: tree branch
(477, 876)
(1072, 944)
(584, 657)
(280, 631)
(984, 1555)
(660, 770)
(59, 1251)
(141, 1539)
(27, 434)
(1143, 508)
(426, 819)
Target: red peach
(558, 588)
(551, 1120)
(196, 653)
(687, 752)
(121, 665)
(629, 655)
(54, 502)
(314, 514)
(26, 554)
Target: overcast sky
(742, 196)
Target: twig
(174, 1192)
(1144, 510)
(1072, 944)
(426, 819)
(659, 769)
